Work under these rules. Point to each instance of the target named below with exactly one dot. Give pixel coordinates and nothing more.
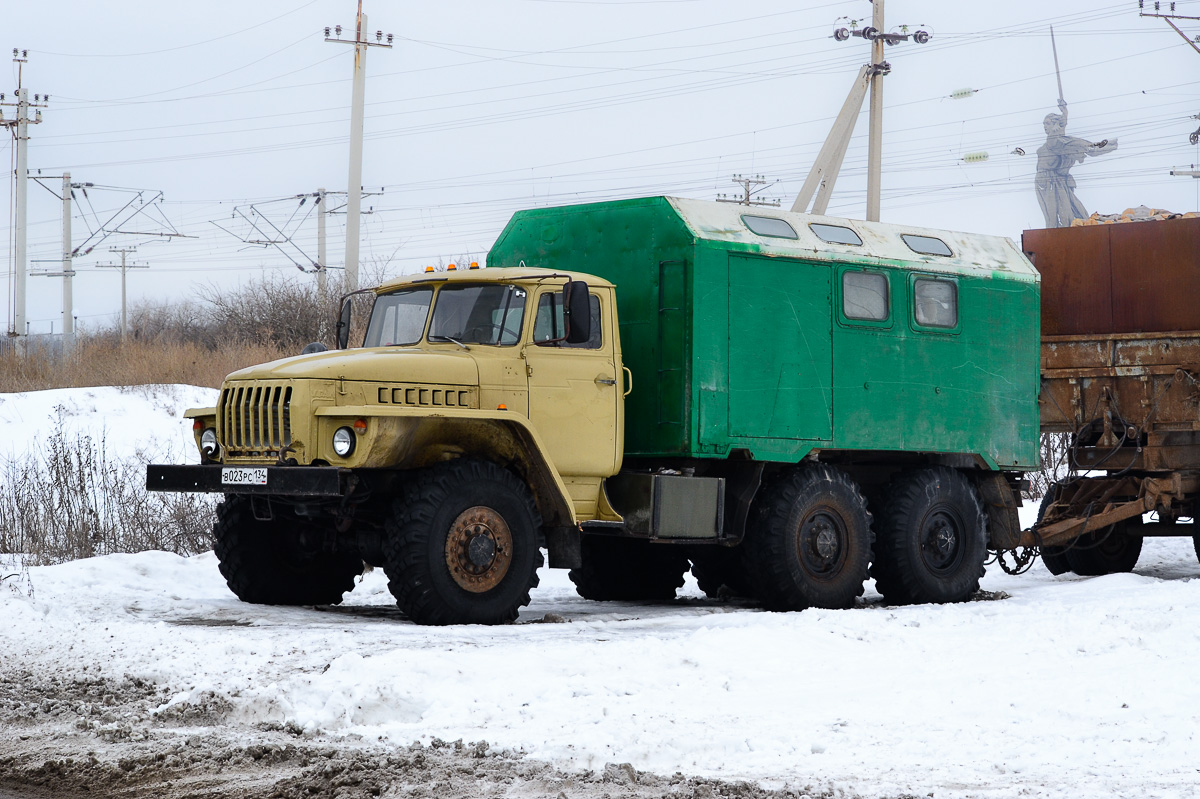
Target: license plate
(242, 476)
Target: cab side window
(549, 324)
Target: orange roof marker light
(451, 268)
(502, 407)
(474, 264)
(429, 269)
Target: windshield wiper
(433, 336)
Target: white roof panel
(882, 242)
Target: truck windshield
(398, 318)
(487, 314)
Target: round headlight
(208, 441)
(343, 441)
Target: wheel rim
(479, 549)
(821, 545)
(942, 540)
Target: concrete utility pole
(875, 140)
(20, 130)
(825, 169)
(124, 266)
(354, 184)
(68, 300)
(322, 282)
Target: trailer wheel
(1054, 558)
(264, 562)
(721, 571)
(1113, 550)
(809, 543)
(932, 541)
(461, 546)
(618, 569)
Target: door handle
(608, 381)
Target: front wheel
(1113, 550)
(932, 541)
(1054, 558)
(266, 562)
(462, 545)
(809, 543)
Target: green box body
(739, 343)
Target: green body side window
(935, 303)
(865, 296)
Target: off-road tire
(263, 562)
(1113, 550)
(721, 572)
(932, 538)
(808, 543)
(429, 512)
(616, 569)
(1054, 558)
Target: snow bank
(130, 419)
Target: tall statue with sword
(1054, 184)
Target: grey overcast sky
(485, 107)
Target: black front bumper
(303, 481)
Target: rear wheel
(462, 545)
(809, 542)
(628, 569)
(266, 562)
(1113, 550)
(932, 542)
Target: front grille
(256, 419)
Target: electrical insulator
(975, 158)
(840, 34)
(326, 31)
(961, 94)
(921, 37)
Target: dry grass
(106, 361)
(72, 500)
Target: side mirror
(577, 312)
(343, 325)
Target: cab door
(575, 390)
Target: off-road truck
(784, 403)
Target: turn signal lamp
(197, 425)
(360, 426)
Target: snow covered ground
(1071, 686)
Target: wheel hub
(940, 540)
(481, 549)
(478, 549)
(822, 543)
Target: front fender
(413, 437)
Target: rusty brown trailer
(1120, 360)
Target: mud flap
(1000, 508)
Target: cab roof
(510, 274)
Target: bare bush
(71, 500)
(1055, 464)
